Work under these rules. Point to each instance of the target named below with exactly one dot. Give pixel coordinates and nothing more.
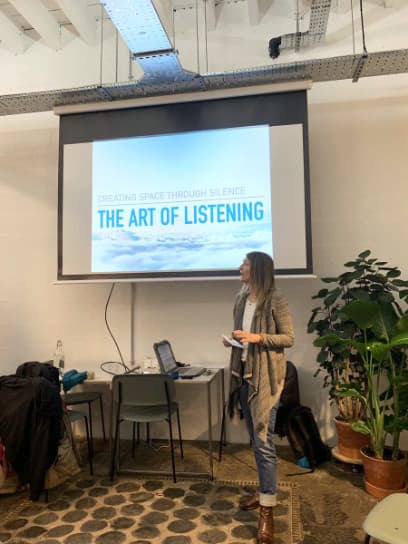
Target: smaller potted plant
(383, 347)
(365, 278)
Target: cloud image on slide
(124, 251)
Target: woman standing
(262, 323)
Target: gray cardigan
(265, 366)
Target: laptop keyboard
(191, 371)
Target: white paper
(232, 341)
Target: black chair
(144, 398)
(75, 416)
(88, 397)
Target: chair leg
(115, 447)
(90, 426)
(179, 433)
(173, 462)
(148, 433)
(102, 418)
(90, 452)
(222, 434)
(134, 438)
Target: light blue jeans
(265, 452)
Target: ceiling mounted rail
(329, 69)
(319, 16)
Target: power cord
(114, 367)
(362, 27)
(361, 61)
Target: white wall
(359, 192)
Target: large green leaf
(402, 324)
(400, 283)
(394, 273)
(329, 280)
(363, 313)
(321, 294)
(379, 350)
(357, 293)
(348, 390)
(332, 297)
(384, 326)
(399, 340)
(360, 427)
(364, 254)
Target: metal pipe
(116, 54)
(198, 44)
(206, 36)
(101, 49)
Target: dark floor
(332, 500)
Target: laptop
(168, 363)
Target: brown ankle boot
(249, 503)
(265, 526)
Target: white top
(246, 323)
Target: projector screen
(184, 190)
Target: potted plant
(365, 278)
(383, 347)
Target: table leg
(210, 454)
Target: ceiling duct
(163, 74)
(319, 17)
(327, 69)
(142, 30)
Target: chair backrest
(143, 389)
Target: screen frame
(282, 108)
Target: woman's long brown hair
(262, 275)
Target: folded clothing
(72, 378)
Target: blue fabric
(265, 452)
(72, 378)
(303, 462)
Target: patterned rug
(132, 511)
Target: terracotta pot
(383, 477)
(350, 442)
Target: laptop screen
(165, 357)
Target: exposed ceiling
(56, 52)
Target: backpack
(304, 438)
(289, 399)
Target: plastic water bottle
(59, 358)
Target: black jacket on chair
(34, 369)
(30, 427)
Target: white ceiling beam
(209, 6)
(165, 12)
(81, 18)
(254, 14)
(11, 37)
(41, 19)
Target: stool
(87, 397)
(75, 416)
(388, 520)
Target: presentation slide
(185, 201)
(190, 202)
